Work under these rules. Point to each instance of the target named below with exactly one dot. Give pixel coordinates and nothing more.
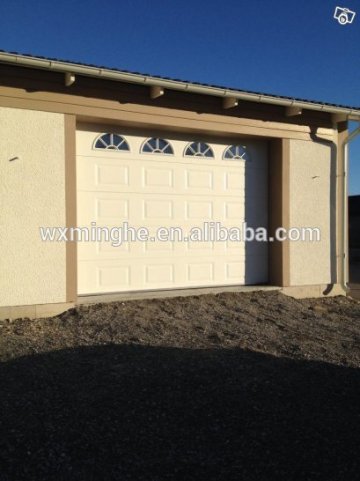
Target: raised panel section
(157, 209)
(199, 210)
(111, 276)
(156, 177)
(159, 273)
(112, 209)
(235, 270)
(115, 175)
(235, 181)
(200, 272)
(199, 179)
(234, 211)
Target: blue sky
(283, 47)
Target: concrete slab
(129, 296)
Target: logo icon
(344, 15)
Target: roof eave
(66, 67)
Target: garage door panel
(152, 191)
(158, 177)
(234, 210)
(106, 250)
(157, 210)
(152, 210)
(110, 277)
(108, 210)
(98, 251)
(122, 276)
(86, 137)
(199, 210)
(200, 272)
(199, 179)
(159, 274)
(224, 179)
(111, 176)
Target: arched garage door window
(111, 142)
(236, 152)
(157, 146)
(199, 149)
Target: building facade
(83, 145)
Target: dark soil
(220, 387)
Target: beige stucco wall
(310, 206)
(32, 194)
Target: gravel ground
(228, 387)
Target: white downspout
(344, 248)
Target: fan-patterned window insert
(111, 142)
(236, 152)
(199, 149)
(156, 145)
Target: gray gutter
(68, 67)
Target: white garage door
(183, 182)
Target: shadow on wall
(354, 239)
(144, 413)
(256, 212)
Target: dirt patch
(229, 386)
(324, 329)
